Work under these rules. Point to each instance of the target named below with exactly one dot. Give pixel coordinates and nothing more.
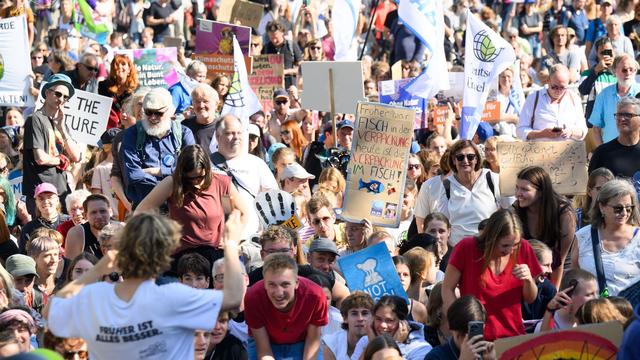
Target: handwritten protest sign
(378, 164)
(247, 13)
(224, 10)
(266, 77)
(15, 67)
(348, 86)
(393, 92)
(371, 270)
(593, 341)
(155, 66)
(565, 161)
(86, 115)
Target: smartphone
(607, 52)
(573, 284)
(556, 129)
(475, 328)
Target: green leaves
(487, 49)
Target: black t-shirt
(623, 161)
(39, 134)
(157, 11)
(202, 133)
(230, 348)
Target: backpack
(141, 138)
(447, 186)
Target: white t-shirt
(254, 174)
(157, 323)
(338, 344)
(428, 200)
(621, 269)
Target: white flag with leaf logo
(486, 55)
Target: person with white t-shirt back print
(136, 318)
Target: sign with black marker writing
(565, 161)
(86, 115)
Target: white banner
(15, 64)
(86, 115)
(487, 54)
(345, 21)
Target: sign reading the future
(378, 165)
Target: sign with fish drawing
(378, 165)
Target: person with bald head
(202, 122)
(249, 173)
(553, 113)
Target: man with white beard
(150, 149)
(602, 117)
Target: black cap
(107, 136)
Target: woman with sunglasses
(545, 215)
(198, 200)
(616, 217)
(292, 136)
(468, 196)
(121, 83)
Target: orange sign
(491, 111)
(439, 114)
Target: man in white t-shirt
(248, 173)
(136, 318)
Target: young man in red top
(284, 312)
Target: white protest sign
(86, 115)
(15, 65)
(348, 86)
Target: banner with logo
(371, 270)
(487, 55)
(156, 67)
(214, 46)
(393, 92)
(15, 64)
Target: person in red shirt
(499, 269)
(284, 312)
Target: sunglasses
(320, 220)
(618, 209)
(59, 95)
(90, 68)
(82, 354)
(151, 113)
(281, 102)
(557, 87)
(469, 157)
(414, 166)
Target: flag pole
(366, 38)
(332, 107)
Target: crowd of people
(153, 246)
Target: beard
(627, 83)
(157, 130)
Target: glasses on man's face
(317, 221)
(82, 354)
(219, 278)
(59, 95)
(281, 102)
(469, 157)
(625, 115)
(90, 68)
(618, 209)
(278, 251)
(151, 113)
(557, 87)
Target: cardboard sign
(565, 161)
(175, 42)
(86, 116)
(214, 37)
(155, 66)
(396, 70)
(439, 114)
(491, 111)
(371, 270)
(224, 10)
(594, 341)
(293, 223)
(378, 165)
(348, 86)
(266, 77)
(247, 13)
(393, 92)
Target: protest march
(319, 179)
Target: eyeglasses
(3, 169)
(557, 87)
(59, 95)
(82, 354)
(218, 278)
(469, 157)
(320, 220)
(413, 166)
(281, 102)
(151, 113)
(90, 68)
(278, 251)
(625, 116)
(618, 209)
(285, 132)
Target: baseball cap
(280, 93)
(254, 130)
(345, 123)
(58, 79)
(108, 136)
(158, 99)
(295, 170)
(323, 245)
(484, 131)
(45, 187)
(21, 265)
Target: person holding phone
(598, 77)
(577, 287)
(466, 318)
